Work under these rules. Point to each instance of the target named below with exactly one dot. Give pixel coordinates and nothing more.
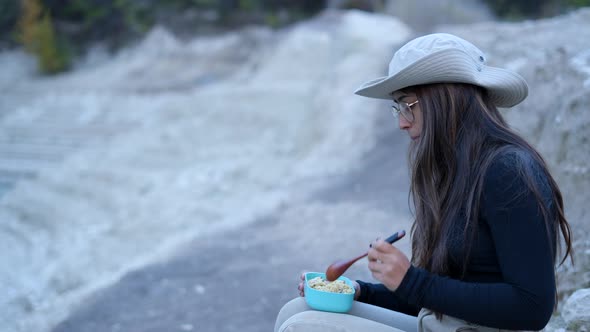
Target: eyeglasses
(404, 109)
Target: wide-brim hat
(445, 58)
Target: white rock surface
(576, 311)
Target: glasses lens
(406, 112)
(395, 110)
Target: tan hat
(445, 58)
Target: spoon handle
(396, 236)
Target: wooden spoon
(337, 268)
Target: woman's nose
(403, 123)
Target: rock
(576, 311)
(556, 324)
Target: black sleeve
(525, 299)
(379, 295)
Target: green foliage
(52, 56)
(83, 8)
(519, 9)
(134, 16)
(37, 35)
(272, 20)
(115, 22)
(579, 3)
(248, 4)
(9, 11)
(204, 3)
(516, 9)
(28, 24)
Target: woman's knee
(319, 321)
(290, 309)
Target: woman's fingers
(375, 266)
(383, 246)
(387, 264)
(379, 251)
(301, 287)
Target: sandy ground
(238, 280)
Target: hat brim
(505, 88)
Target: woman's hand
(388, 264)
(301, 287)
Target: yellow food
(336, 286)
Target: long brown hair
(461, 134)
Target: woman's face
(410, 115)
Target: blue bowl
(327, 301)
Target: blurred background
(174, 165)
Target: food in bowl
(336, 286)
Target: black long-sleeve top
(509, 281)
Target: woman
(488, 214)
